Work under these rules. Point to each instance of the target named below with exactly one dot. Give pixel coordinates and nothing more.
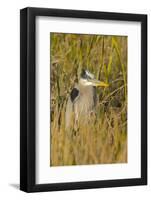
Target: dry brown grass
(104, 140)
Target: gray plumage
(82, 99)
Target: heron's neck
(85, 88)
(83, 84)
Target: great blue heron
(82, 99)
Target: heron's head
(87, 79)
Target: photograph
(83, 99)
(88, 99)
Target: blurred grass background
(105, 139)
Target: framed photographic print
(83, 99)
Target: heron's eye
(89, 79)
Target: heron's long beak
(99, 83)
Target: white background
(9, 99)
(47, 174)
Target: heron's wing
(69, 107)
(68, 113)
(74, 94)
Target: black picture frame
(28, 99)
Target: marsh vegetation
(104, 140)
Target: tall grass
(104, 140)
